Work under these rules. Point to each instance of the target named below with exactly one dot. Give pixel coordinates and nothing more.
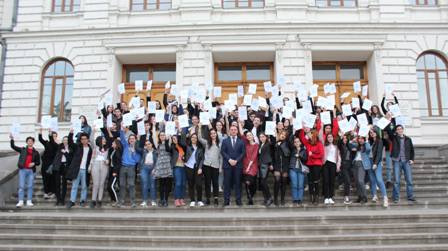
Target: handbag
(305, 169)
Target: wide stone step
(377, 247)
(233, 241)
(247, 230)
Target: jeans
(406, 167)
(127, 180)
(148, 183)
(81, 178)
(297, 178)
(360, 174)
(26, 180)
(179, 182)
(388, 167)
(376, 179)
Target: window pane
(324, 72)
(151, 4)
(76, 5)
(68, 99)
(433, 94)
(352, 72)
(229, 4)
(421, 63)
(443, 82)
(230, 73)
(136, 73)
(243, 3)
(423, 97)
(68, 69)
(258, 3)
(335, 3)
(57, 96)
(46, 96)
(50, 71)
(258, 72)
(59, 68)
(165, 4)
(439, 63)
(350, 3)
(137, 4)
(164, 74)
(57, 5)
(413, 2)
(321, 3)
(430, 61)
(67, 5)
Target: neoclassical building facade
(60, 56)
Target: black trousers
(314, 178)
(264, 182)
(112, 183)
(211, 176)
(194, 183)
(250, 184)
(165, 188)
(329, 173)
(48, 180)
(347, 172)
(60, 183)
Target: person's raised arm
(383, 107)
(13, 146)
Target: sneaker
(207, 202)
(367, 187)
(46, 196)
(193, 204)
(182, 202)
(143, 204)
(82, 203)
(92, 204)
(70, 204)
(52, 196)
(326, 201)
(20, 204)
(133, 205)
(396, 201)
(347, 200)
(375, 198)
(216, 202)
(99, 204)
(153, 203)
(29, 203)
(412, 199)
(331, 201)
(200, 204)
(385, 202)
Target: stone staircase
(403, 226)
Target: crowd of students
(225, 154)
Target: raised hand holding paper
(395, 110)
(170, 128)
(357, 87)
(149, 85)
(313, 90)
(270, 128)
(382, 123)
(252, 89)
(355, 103)
(98, 123)
(127, 119)
(45, 122)
(204, 118)
(160, 116)
(141, 128)
(347, 110)
(183, 121)
(217, 91)
(325, 117)
(367, 104)
(365, 90)
(247, 100)
(240, 91)
(138, 85)
(152, 107)
(121, 88)
(242, 113)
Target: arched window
(57, 89)
(432, 84)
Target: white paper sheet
(242, 113)
(160, 115)
(139, 85)
(325, 117)
(183, 121)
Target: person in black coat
(77, 171)
(29, 158)
(64, 156)
(51, 147)
(265, 161)
(282, 154)
(114, 161)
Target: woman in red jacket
(315, 150)
(250, 163)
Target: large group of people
(223, 152)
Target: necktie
(233, 141)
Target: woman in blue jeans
(376, 169)
(148, 183)
(177, 161)
(297, 171)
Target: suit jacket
(236, 152)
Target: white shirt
(85, 153)
(149, 159)
(254, 132)
(331, 153)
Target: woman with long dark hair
(114, 161)
(194, 159)
(376, 170)
(282, 154)
(163, 170)
(266, 162)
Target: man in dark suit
(232, 151)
